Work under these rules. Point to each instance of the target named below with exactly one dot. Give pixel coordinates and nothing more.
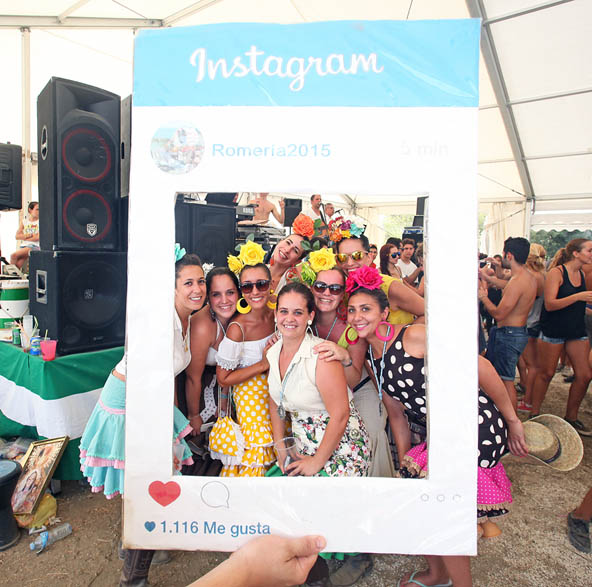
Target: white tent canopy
(535, 151)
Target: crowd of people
(291, 347)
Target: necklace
(380, 379)
(330, 329)
(281, 410)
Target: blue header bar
(341, 63)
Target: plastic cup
(287, 451)
(48, 349)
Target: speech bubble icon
(215, 495)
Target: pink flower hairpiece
(366, 277)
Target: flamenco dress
(251, 401)
(404, 380)
(102, 446)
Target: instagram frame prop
(377, 107)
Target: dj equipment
(78, 130)
(79, 298)
(11, 172)
(245, 212)
(205, 229)
(293, 207)
(415, 233)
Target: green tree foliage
(553, 240)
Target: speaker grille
(86, 154)
(92, 295)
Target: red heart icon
(164, 493)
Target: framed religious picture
(39, 464)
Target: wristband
(349, 364)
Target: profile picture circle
(177, 147)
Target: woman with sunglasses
(403, 348)
(242, 365)
(328, 291)
(406, 306)
(389, 255)
(208, 329)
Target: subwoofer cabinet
(79, 298)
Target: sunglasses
(395, 255)
(261, 284)
(334, 288)
(356, 256)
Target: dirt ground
(532, 551)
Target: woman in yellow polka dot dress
(241, 364)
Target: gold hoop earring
(272, 305)
(243, 309)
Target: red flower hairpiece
(366, 277)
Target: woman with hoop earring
(397, 356)
(242, 365)
(208, 329)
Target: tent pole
(26, 114)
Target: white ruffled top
(232, 354)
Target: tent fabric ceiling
(535, 125)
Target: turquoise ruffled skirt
(102, 446)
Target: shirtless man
(508, 339)
(263, 208)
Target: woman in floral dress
(330, 435)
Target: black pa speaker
(11, 174)
(419, 211)
(79, 298)
(126, 144)
(205, 229)
(292, 209)
(78, 130)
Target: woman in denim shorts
(562, 321)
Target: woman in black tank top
(562, 321)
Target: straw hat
(553, 442)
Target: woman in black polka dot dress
(403, 379)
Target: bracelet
(349, 364)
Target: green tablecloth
(40, 399)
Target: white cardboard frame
(376, 151)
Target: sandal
(413, 580)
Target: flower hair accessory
(303, 226)
(179, 252)
(250, 253)
(207, 267)
(366, 277)
(322, 260)
(339, 228)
